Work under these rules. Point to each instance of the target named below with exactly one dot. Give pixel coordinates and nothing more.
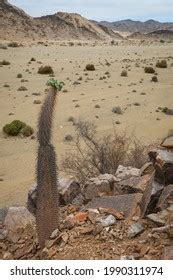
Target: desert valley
(116, 75)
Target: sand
(18, 155)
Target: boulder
(17, 217)
(126, 172)
(99, 186)
(68, 189)
(135, 229)
(168, 142)
(133, 184)
(128, 203)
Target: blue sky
(111, 10)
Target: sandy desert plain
(91, 98)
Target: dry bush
(45, 70)
(161, 64)
(91, 155)
(124, 73)
(149, 70)
(90, 67)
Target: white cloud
(102, 9)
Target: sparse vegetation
(167, 111)
(117, 110)
(3, 47)
(124, 73)
(22, 88)
(154, 79)
(4, 62)
(27, 131)
(149, 70)
(68, 137)
(16, 127)
(95, 155)
(90, 67)
(13, 45)
(19, 76)
(162, 64)
(45, 70)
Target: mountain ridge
(18, 25)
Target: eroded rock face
(128, 203)
(68, 189)
(96, 187)
(159, 192)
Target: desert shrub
(22, 88)
(68, 138)
(33, 59)
(3, 47)
(13, 45)
(4, 62)
(149, 70)
(90, 67)
(97, 106)
(92, 155)
(14, 127)
(124, 73)
(161, 64)
(19, 76)
(27, 131)
(45, 70)
(71, 119)
(117, 110)
(154, 79)
(167, 111)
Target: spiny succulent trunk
(47, 212)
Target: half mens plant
(47, 212)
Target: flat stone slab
(127, 203)
(168, 142)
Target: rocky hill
(16, 24)
(137, 26)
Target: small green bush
(90, 67)
(162, 64)
(16, 127)
(45, 70)
(149, 70)
(19, 76)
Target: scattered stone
(3, 234)
(135, 229)
(55, 234)
(126, 172)
(156, 219)
(118, 215)
(108, 221)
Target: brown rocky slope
(16, 24)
